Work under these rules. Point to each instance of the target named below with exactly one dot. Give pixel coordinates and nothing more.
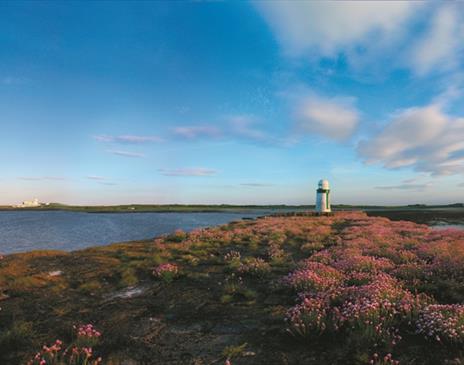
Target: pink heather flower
(442, 322)
(314, 276)
(88, 331)
(311, 317)
(232, 255)
(254, 266)
(165, 268)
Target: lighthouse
(322, 197)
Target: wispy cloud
(409, 181)
(238, 127)
(95, 177)
(335, 118)
(102, 180)
(128, 139)
(194, 171)
(246, 126)
(127, 153)
(257, 185)
(410, 187)
(38, 178)
(197, 131)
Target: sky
(231, 102)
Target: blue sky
(231, 102)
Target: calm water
(446, 226)
(26, 231)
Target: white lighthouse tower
(323, 197)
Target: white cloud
(408, 187)
(193, 171)
(425, 139)
(96, 177)
(442, 44)
(422, 36)
(335, 118)
(241, 127)
(128, 139)
(126, 153)
(101, 180)
(245, 126)
(38, 178)
(257, 185)
(330, 26)
(197, 131)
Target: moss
(91, 287)
(227, 298)
(128, 277)
(14, 340)
(231, 352)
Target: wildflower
(313, 276)
(441, 322)
(232, 255)
(166, 272)
(254, 266)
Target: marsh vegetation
(343, 289)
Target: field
(286, 289)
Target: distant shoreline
(199, 208)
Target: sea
(22, 231)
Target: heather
(80, 352)
(287, 289)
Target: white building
(29, 204)
(323, 197)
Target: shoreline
(393, 215)
(219, 208)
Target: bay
(22, 231)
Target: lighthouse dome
(324, 184)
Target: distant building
(323, 197)
(29, 204)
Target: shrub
(78, 353)
(233, 258)
(377, 310)
(442, 323)
(310, 318)
(254, 267)
(15, 339)
(176, 237)
(386, 360)
(314, 276)
(166, 272)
